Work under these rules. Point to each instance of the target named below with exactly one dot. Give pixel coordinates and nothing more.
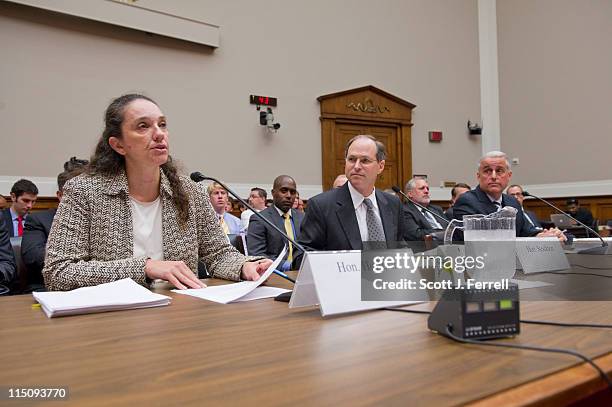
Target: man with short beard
(419, 221)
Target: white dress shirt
(361, 210)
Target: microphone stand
(603, 249)
(198, 176)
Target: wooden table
(195, 352)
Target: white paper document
(227, 293)
(114, 296)
(263, 292)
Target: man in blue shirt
(218, 198)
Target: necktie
(224, 225)
(432, 221)
(375, 229)
(497, 205)
(289, 230)
(19, 225)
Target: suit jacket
(533, 218)
(583, 215)
(449, 213)
(8, 222)
(417, 225)
(262, 240)
(330, 222)
(8, 267)
(476, 201)
(34, 241)
(92, 239)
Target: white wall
(555, 64)
(61, 72)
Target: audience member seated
(218, 198)
(339, 181)
(8, 268)
(298, 204)
(229, 206)
(493, 175)
(420, 222)
(23, 197)
(530, 217)
(343, 218)
(257, 199)
(37, 228)
(456, 192)
(110, 224)
(584, 215)
(263, 240)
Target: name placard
(537, 254)
(332, 280)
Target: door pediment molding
(367, 102)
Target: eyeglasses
(362, 160)
(488, 171)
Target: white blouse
(147, 221)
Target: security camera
(474, 128)
(267, 119)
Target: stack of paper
(118, 295)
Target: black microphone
(198, 176)
(396, 189)
(603, 249)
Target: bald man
(339, 181)
(262, 239)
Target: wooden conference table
(195, 352)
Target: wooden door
(387, 134)
(371, 111)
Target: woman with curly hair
(133, 215)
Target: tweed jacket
(91, 240)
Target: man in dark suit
(263, 240)
(33, 243)
(419, 221)
(582, 214)
(530, 217)
(8, 267)
(23, 197)
(343, 218)
(38, 225)
(456, 192)
(494, 174)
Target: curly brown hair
(107, 161)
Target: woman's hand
(175, 272)
(251, 270)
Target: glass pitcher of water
(491, 236)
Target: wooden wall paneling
(600, 207)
